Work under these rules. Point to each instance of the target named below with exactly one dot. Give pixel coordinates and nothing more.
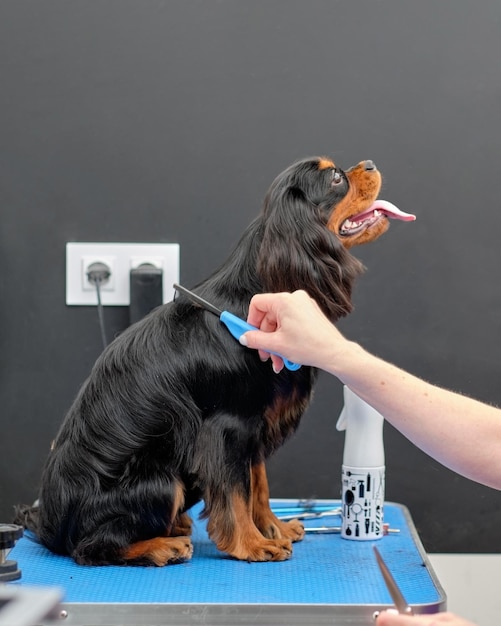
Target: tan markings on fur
(325, 164)
(364, 189)
(178, 502)
(160, 550)
(282, 418)
(235, 533)
(182, 526)
(259, 488)
(264, 518)
(175, 546)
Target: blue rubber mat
(324, 569)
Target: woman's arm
(462, 433)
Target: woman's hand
(392, 618)
(291, 324)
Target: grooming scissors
(395, 593)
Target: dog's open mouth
(381, 209)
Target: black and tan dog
(175, 410)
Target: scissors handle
(238, 327)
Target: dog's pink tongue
(389, 209)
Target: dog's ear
(298, 252)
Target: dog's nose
(369, 165)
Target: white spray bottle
(363, 469)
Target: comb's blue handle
(238, 327)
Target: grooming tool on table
(324, 530)
(9, 534)
(395, 593)
(304, 506)
(234, 324)
(336, 530)
(308, 515)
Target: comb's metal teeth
(196, 298)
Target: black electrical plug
(99, 274)
(146, 292)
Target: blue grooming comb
(234, 324)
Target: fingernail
(275, 369)
(243, 341)
(376, 614)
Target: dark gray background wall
(165, 121)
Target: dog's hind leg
(263, 516)
(159, 551)
(175, 547)
(141, 530)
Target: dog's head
(312, 214)
(347, 200)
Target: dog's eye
(336, 178)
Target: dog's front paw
(293, 530)
(265, 550)
(274, 528)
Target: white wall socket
(121, 258)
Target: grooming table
(328, 580)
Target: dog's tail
(27, 516)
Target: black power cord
(99, 274)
